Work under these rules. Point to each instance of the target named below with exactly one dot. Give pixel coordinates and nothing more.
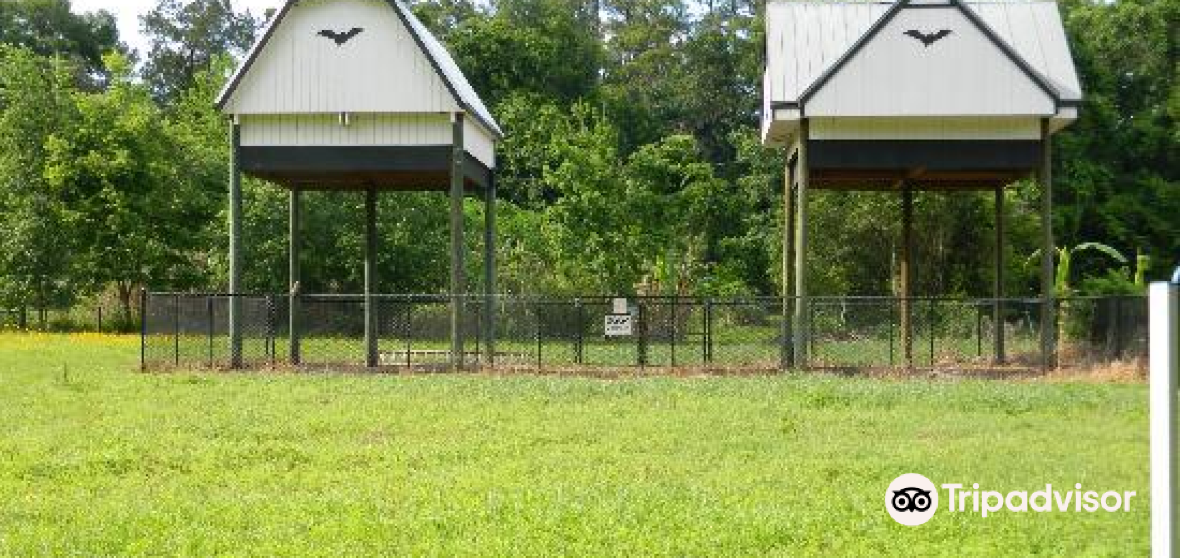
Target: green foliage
(130, 206)
(36, 247)
(631, 162)
(186, 37)
(50, 28)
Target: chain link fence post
(580, 335)
(143, 308)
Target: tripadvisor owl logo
(911, 499)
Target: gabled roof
(809, 41)
(441, 60)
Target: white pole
(1165, 360)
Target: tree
(36, 247)
(133, 212)
(1118, 168)
(186, 36)
(49, 28)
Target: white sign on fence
(619, 325)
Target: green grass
(101, 460)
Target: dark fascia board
(260, 160)
(784, 105)
(932, 155)
(270, 30)
(968, 13)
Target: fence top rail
(662, 299)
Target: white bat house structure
(358, 96)
(931, 95)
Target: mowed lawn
(98, 459)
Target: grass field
(96, 459)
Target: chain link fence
(552, 335)
(90, 317)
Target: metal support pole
(1048, 249)
(294, 241)
(978, 331)
(1165, 364)
(642, 353)
(371, 356)
(802, 326)
(931, 318)
(998, 351)
(176, 330)
(489, 271)
(905, 276)
(235, 246)
(271, 344)
(409, 332)
(143, 310)
(675, 328)
(580, 334)
(209, 325)
(458, 275)
(709, 331)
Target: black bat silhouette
(928, 38)
(341, 38)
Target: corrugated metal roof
(442, 61)
(449, 70)
(807, 38)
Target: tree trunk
(125, 300)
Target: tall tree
(50, 28)
(186, 36)
(135, 213)
(36, 246)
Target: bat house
(358, 95)
(912, 95)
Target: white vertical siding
(362, 130)
(479, 143)
(365, 130)
(380, 70)
(962, 74)
(919, 128)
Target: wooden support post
(998, 354)
(294, 287)
(458, 275)
(372, 358)
(235, 246)
(489, 271)
(905, 275)
(788, 356)
(801, 323)
(1048, 250)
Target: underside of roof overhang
(920, 164)
(402, 168)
